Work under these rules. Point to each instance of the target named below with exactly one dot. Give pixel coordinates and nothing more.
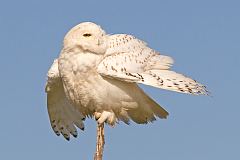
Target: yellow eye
(87, 34)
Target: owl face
(88, 36)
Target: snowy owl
(96, 75)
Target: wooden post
(100, 142)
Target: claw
(111, 119)
(97, 115)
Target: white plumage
(63, 116)
(97, 74)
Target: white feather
(129, 59)
(99, 73)
(63, 116)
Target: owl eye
(87, 34)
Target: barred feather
(129, 59)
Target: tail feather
(140, 116)
(147, 111)
(159, 111)
(173, 81)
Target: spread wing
(63, 116)
(130, 59)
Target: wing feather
(128, 56)
(131, 60)
(63, 116)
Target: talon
(97, 115)
(111, 119)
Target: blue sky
(203, 37)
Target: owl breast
(89, 91)
(84, 87)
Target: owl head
(88, 36)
